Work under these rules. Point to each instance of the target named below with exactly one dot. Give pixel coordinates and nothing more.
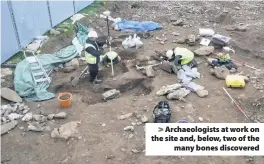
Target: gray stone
(241, 28)
(220, 72)
(27, 117)
(66, 131)
(68, 69)
(179, 22)
(144, 119)
(125, 116)
(202, 93)
(135, 151)
(237, 8)
(204, 50)
(60, 115)
(150, 72)
(10, 95)
(40, 118)
(6, 72)
(129, 128)
(191, 39)
(111, 94)
(73, 63)
(26, 111)
(35, 127)
(181, 40)
(8, 126)
(21, 106)
(131, 136)
(176, 34)
(178, 94)
(200, 119)
(14, 116)
(168, 89)
(133, 123)
(54, 32)
(50, 116)
(139, 123)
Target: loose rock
(54, 32)
(179, 22)
(144, 119)
(202, 93)
(39, 118)
(60, 115)
(168, 89)
(150, 72)
(181, 40)
(6, 72)
(178, 94)
(139, 123)
(135, 151)
(191, 39)
(50, 116)
(14, 116)
(220, 72)
(35, 127)
(237, 8)
(133, 123)
(8, 126)
(73, 63)
(27, 117)
(111, 94)
(10, 95)
(21, 107)
(204, 50)
(66, 131)
(241, 28)
(125, 116)
(131, 136)
(26, 111)
(200, 119)
(176, 34)
(129, 128)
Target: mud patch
(136, 87)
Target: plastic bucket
(65, 102)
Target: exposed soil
(103, 139)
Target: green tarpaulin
(23, 79)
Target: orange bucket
(65, 99)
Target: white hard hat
(92, 34)
(169, 54)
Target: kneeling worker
(92, 56)
(110, 56)
(180, 56)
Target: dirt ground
(103, 139)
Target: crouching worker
(110, 57)
(180, 56)
(92, 56)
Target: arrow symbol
(160, 129)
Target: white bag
(125, 43)
(132, 41)
(139, 43)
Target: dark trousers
(93, 69)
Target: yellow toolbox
(235, 81)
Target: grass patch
(16, 58)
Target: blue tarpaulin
(136, 26)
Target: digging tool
(109, 42)
(233, 101)
(76, 80)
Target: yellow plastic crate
(235, 81)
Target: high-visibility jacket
(187, 55)
(90, 59)
(111, 55)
